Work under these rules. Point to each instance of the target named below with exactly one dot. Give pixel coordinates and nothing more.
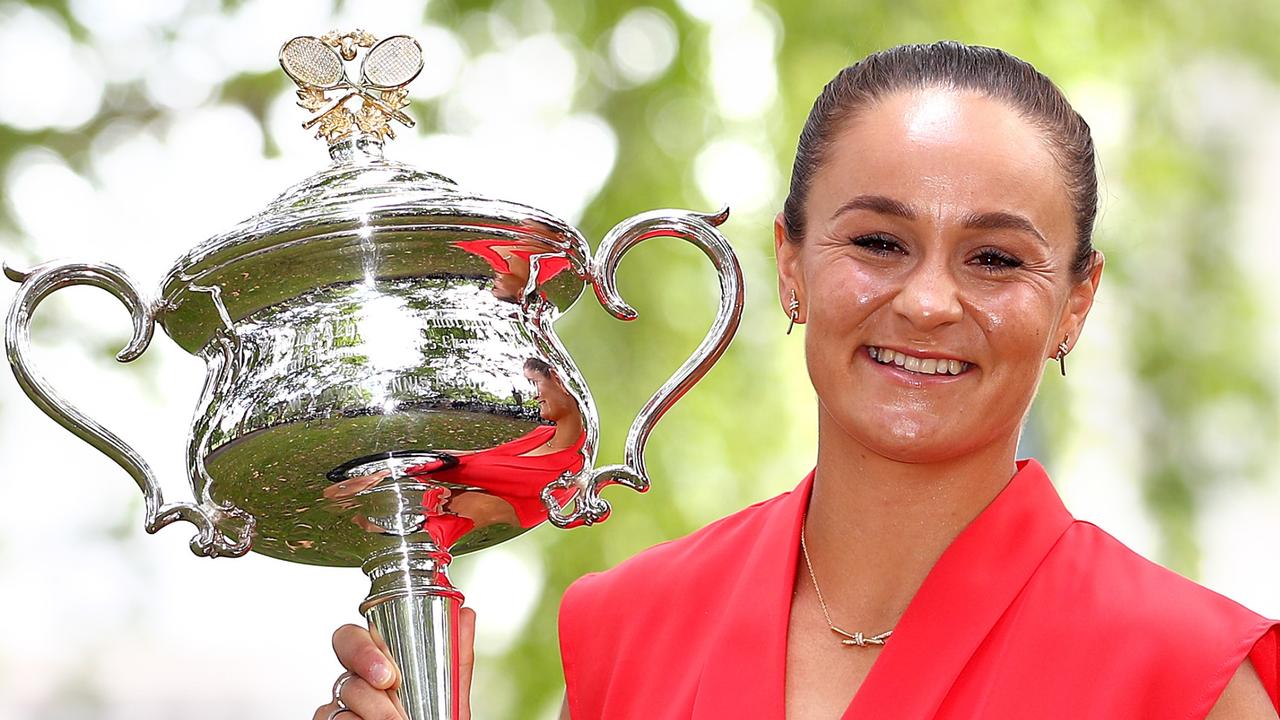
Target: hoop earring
(793, 309)
(1062, 355)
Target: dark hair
(949, 64)
(540, 366)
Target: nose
(929, 297)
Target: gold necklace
(846, 638)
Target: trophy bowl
(384, 387)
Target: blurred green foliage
(746, 431)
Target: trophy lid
(363, 218)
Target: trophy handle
(700, 230)
(37, 284)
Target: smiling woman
(924, 232)
(937, 246)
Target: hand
(370, 692)
(351, 486)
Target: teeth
(924, 366)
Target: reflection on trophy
(385, 388)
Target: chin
(910, 439)
(916, 452)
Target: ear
(787, 254)
(1078, 304)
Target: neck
(568, 430)
(876, 526)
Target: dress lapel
(744, 673)
(974, 581)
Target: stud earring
(793, 309)
(1062, 355)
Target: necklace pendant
(857, 639)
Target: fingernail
(381, 674)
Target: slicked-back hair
(955, 66)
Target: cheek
(844, 298)
(844, 293)
(1015, 321)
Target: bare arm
(1244, 697)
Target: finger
(368, 701)
(364, 482)
(466, 660)
(357, 652)
(324, 711)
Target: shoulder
(686, 564)
(1141, 594)
(651, 611)
(1184, 642)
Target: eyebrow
(996, 220)
(877, 204)
(1003, 221)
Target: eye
(994, 261)
(878, 244)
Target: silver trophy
(385, 388)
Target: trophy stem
(412, 610)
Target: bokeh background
(131, 131)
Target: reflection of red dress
(445, 528)
(507, 473)
(548, 266)
(1028, 613)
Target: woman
(936, 244)
(513, 474)
(505, 481)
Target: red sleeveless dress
(550, 265)
(506, 472)
(1028, 613)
